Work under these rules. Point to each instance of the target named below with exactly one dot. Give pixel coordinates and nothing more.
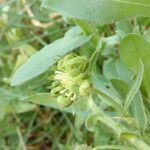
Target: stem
(111, 147)
(22, 144)
(105, 119)
(118, 128)
(89, 29)
(146, 84)
(137, 142)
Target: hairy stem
(89, 29)
(120, 129)
(136, 142)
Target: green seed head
(85, 88)
(64, 101)
(70, 79)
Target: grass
(39, 127)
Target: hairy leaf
(133, 49)
(119, 128)
(79, 108)
(115, 69)
(134, 87)
(103, 87)
(120, 86)
(101, 11)
(40, 61)
(139, 111)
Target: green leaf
(100, 11)
(40, 61)
(103, 87)
(110, 43)
(74, 31)
(10, 104)
(134, 87)
(124, 26)
(45, 99)
(24, 107)
(147, 34)
(118, 127)
(133, 49)
(121, 87)
(114, 68)
(139, 111)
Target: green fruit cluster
(70, 80)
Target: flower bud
(70, 79)
(64, 101)
(85, 88)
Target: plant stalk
(89, 29)
(120, 129)
(136, 142)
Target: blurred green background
(25, 29)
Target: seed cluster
(70, 79)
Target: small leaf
(79, 108)
(103, 87)
(24, 107)
(133, 49)
(120, 86)
(139, 111)
(100, 11)
(40, 61)
(124, 26)
(115, 69)
(110, 43)
(134, 87)
(91, 122)
(118, 127)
